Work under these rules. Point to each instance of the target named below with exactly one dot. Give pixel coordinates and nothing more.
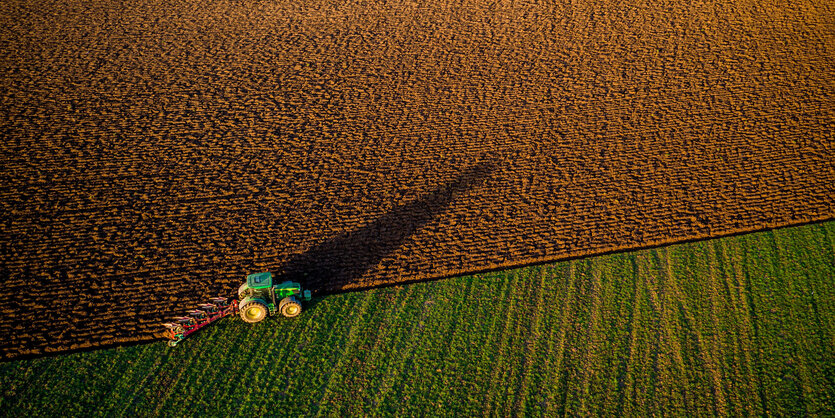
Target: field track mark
(504, 335)
(830, 235)
(779, 294)
(265, 338)
(274, 351)
(29, 375)
(557, 351)
(592, 336)
(486, 358)
(626, 379)
(418, 338)
(457, 300)
(393, 313)
(166, 393)
(408, 348)
(650, 387)
(667, 344)
(356, 325)
(189, 358)
(707, 356)
(228, 387)
(254, 345)
(150, 373)
(380, 333)
(722, 296)
(113, 366)
(748, 297)
(531, 343)
(800, 339)
(740, 308)
(519, 332)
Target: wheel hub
(253, 312)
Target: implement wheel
(290, 307)
(253, 312)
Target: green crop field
(740, 325)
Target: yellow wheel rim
(253, 312)
(292, 310)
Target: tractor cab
(259, 280)
(256, 285)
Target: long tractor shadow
(344, 259)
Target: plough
(184, 326)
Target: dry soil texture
(154, 153)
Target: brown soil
(155, 154)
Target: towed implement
(183, 326)
(258, 298)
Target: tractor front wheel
(253, 312)
(290, 307)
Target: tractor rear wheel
(253, 312)
(290, 307)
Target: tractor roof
(259, 280)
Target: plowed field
(154, 153)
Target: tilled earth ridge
(154, 154)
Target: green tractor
(259, 298)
